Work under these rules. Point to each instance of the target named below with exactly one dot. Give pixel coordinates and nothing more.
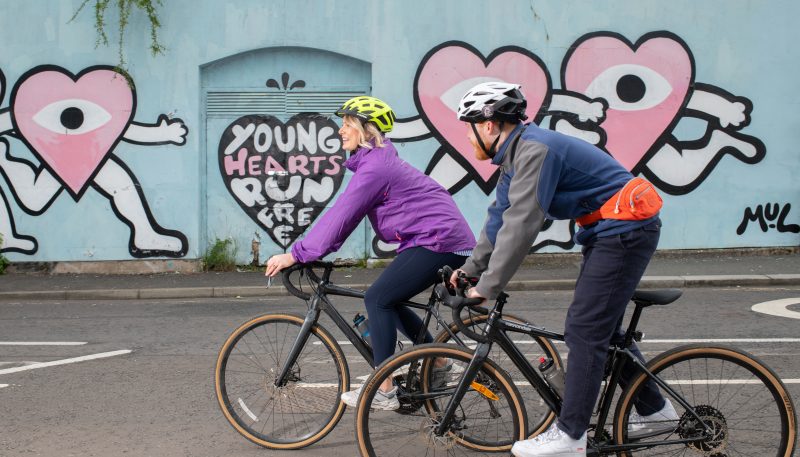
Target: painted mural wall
(215, 140)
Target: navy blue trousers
(410, 273)
(612, 268)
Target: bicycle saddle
(656, 297)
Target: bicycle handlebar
(308, 268)
(456, 300)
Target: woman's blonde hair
(368, 133)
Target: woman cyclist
(404, 206)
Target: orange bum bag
(636, 200)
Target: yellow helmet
(369, 109)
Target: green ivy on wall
(124, 7)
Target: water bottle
(361, 325)
(553, 374)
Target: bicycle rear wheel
(490, 418)
(741, 400)
(293, 416)
(540, 416)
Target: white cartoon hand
(735, 116)
(173, 131)
(594, 112)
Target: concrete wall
(698, 97)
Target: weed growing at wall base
(220, 256)
(3, 260)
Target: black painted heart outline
(282, 175)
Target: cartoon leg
(13, 242)
(148, 239)
(680, 171)
(34, 189)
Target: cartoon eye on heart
(72, 117)
(629, 87)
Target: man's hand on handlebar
(278, 262)
(473, 293)
(459, 280)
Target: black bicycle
(279, 376)
(727, 402)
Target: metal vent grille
(278, 104)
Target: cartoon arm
(708, 101)
(164, 131)
(586, 109)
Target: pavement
(668, 269)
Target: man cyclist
(549, 175)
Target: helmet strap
(492, 149)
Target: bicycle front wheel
(540, 416)
(490, 417)
(297, 414)
(742, 402)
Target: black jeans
(612, 268)
(410, 273)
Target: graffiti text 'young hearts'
(282, 175)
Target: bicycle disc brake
(427, 434)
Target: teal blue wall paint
(740, 52)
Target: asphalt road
(135, 377)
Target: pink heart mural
(72, 122)
(645, 84)
(449, 70)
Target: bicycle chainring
(407, 405)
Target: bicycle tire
(540, 416)
(247, 366)
(388, 433)
(742, 400)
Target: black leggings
(410, 273)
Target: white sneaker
(552, 443)
(662, 421)
(384, 401)
(440, 374)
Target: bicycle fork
(299, 343)
(481, 354)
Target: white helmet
(493, 101)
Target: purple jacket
(404, 206)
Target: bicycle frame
(320, 303)
(496, 331)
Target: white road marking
(778, 308)
(3, 385)
(65, 361)
(42, 343)
(247, 410)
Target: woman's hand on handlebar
(278, 262)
